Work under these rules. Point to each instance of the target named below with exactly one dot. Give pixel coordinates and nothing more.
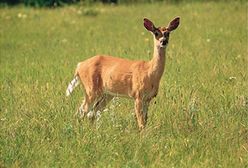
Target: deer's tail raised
(73, 84)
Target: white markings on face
(162, 36)
(163, 42)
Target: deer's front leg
(145, 106)
(139, 113)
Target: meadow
(198, 119)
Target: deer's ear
(149, 25)
(173, 24)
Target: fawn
(104, 77)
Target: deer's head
(161, 34)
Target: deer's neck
(157, 63)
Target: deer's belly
(116, 94)
(117, 88)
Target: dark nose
(164, 42)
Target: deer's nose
(164, 42)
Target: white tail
(104, 77)
(72, 85)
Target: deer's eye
(166, 34)
(156, 34)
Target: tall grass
(199, 118)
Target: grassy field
(198, 119)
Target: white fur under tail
(72, 85)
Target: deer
(104, 77)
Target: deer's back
(113, 75)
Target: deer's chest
(150, 90)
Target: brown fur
(102, 76)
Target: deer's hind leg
(86, 106)
(90, 99)
(100, 105)
(92, 83)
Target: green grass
(200, 118)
